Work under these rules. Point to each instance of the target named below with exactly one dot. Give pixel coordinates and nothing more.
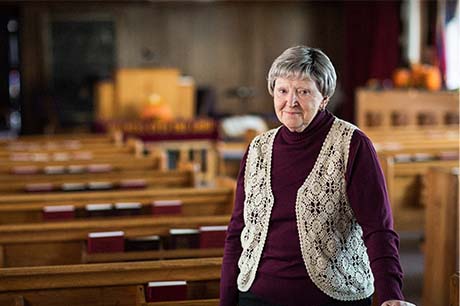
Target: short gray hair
(302, 62)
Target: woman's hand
(396, 303)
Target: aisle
(412, 262)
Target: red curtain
(372, 50)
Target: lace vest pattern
(330, 237)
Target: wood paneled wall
(220, 44)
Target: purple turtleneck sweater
(281, 275)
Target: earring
(322, 108)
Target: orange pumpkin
(401, 78)
(417, 74)
(156, 108)
(433, 79)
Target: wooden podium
(124, 97)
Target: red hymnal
(166, 291)
(58, 212)
(106, 242)
(98, 168)
(167, 207)
(448, 155)
(212, 236)
(20, 157)
(39, 187)
(25, 170)
(133, 183)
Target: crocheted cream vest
(330, 237)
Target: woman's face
(297, 102)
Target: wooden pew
(61, 242)
(195, 201)
(441, 234)
(93, 149)
(436, 147)
(118, 180)
(109, 284)
(376, 133)
(83, 138)
(389, 108)
(406, 182)
(117, 163)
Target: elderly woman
(311, 224)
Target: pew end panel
(441, 235)
(406, 183)
(454, 290)
(137, 146)
(227, 182)
(12, 300)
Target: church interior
(123, 125)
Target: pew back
(105, 284)
(19, 184)
(195, 201)
(61, 242)
(389, 108)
